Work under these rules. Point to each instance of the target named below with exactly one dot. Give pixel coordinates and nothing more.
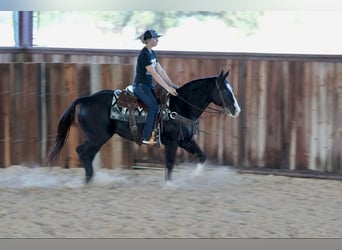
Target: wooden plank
(314, 112)
(242, 116)
(323, 118)
(247, 125)
(300, 157)
(292, 122)
(95, 78)
(254, 85)
(336, 154)
(70, 86)
(55, 105)
(16, 118)
(273, 144)
(307, 86)
(276, 159)
(285, 114)
(43, 121)
(5, 147)
(262, 114)
(234, 78)
(330, 79)
(83, 76)
(31, 113)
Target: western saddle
(127, 99)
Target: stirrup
(148, 142)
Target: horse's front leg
(170, 155)
(193, 148)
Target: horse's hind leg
(87, 152)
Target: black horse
(192, 100)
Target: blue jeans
(145, 93)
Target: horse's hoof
(170, 184)
(88, 179)
(199, 169)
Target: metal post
(25, 29)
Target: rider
(147, 70)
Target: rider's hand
(172, 91)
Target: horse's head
(224, 95)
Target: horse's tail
(64, 124)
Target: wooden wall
(34, 95)
(291, 108)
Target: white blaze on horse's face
(236, 104)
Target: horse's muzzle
(235, 112)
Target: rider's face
(153, 41)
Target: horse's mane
(195, 84)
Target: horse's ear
(221, 74)
(226, 74)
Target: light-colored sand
(219, 203)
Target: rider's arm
(160, 80)
(165, 76)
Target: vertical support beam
(25, 29)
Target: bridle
(175, 116)
(212, 110)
